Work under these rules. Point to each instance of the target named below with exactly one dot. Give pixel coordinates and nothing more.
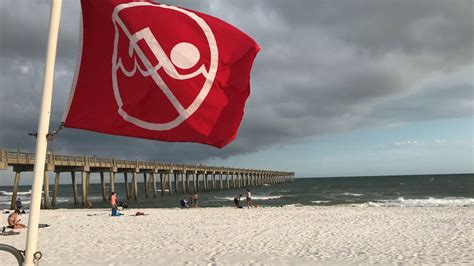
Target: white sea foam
(319, 201)
(352, 194)
(294, 205)
(253, 197)
(430, 202)
(5, 200)
(9, 193)
(60, 199)
(267, 197)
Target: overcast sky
(339, 87)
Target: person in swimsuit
(196, 199)
(237, 201)
(14, 220)
(249, 199)
(113, 203)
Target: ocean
(374, 191)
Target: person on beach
(196, 199)
(184, 203)
(14, 220)
(113, 203)
(18, 204)
(249, 199)
(237, 201)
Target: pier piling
(134, 186)
(74, 187)
(46, 190)
(213, 181)
(84, 189)
(102, 183)
(145, 184)
(127, 189)
(169, 183)
(153, 176)
(176, 176)
(16, 185)
(162, 183)
(112, 181)
(55, 189)
(187, 182)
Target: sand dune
(276, 236)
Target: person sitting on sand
(184, 203)
(237, 201)
(14, 220)
(249, 199)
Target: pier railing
(22, 159)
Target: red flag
(160, 72)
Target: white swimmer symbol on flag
(184, 55)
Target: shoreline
(400, 202)
(271, 235)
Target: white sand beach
(288, 235)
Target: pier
(172, 178)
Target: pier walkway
(175, 178)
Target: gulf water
(390, 191)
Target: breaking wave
(320, 201)
(253, 197)
(352, 194)
(429, 202)
(9, 193)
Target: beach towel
(139, 214)
(9, 233)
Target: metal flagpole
(41, 140)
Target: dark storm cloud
(325, 67)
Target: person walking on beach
(249, 199)
(237, 201)
(113, 203)
(14, 220)
(196, 199)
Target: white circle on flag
(185, 55)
